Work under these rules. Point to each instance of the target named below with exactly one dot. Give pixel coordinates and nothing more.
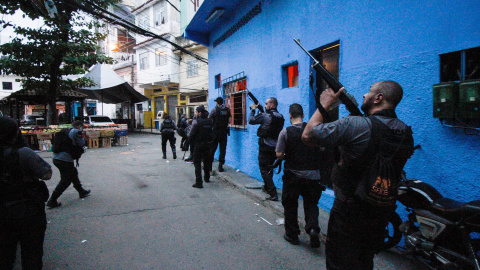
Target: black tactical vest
(12, 186)
(272, 125)
(204, 130)
(168, 124)
(299, 156)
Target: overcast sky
(7, 34)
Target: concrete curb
(238, 180)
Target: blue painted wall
(379, 40)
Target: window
(160, 57)
(144, 21)
(196, 4)
(236, 98)
(290, 75)
(144, 61)
(460, 66)
(192, 68)
(199, 98)
(183, 97)
(328, 56)
(159, 14)
(218, 81)
(7, 85)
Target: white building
(193, 72)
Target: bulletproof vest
(204, 130)
(272, 125)
(221, 118)
(182, 123)
(299, 156)
(168, 124)
(395, 143)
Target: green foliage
(67, 42)
(65, 45)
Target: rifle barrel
(346, 98)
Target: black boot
(164, 155)
(83, 193)
(197, 185)
(220, 167)
(314, 238)
(52, 202)
(174, 155)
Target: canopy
(40, 95)
(110, 88)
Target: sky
(7, 34)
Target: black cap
(200, 108)
(219, 100)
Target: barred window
(460, 65)
(236, 99)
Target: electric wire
(128, 25)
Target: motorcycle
(440, 232)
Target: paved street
(144, 214)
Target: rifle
(277, 163)
(255, 101)
(350, 103)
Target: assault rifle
(347, 99)
(255, 101)
(277, 163)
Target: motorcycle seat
(455, 210)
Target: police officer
(221, 118)
(22, 200)
(271, 123)
(201, 134)
(301, 178)
(181, 126)
(355, 228)
(167, 129)
(65, 164)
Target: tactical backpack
(383, 162)
(63, 143)
(12, 186)
(221, 118)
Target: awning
(110, 88)
(40, 95)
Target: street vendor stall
(39, 96)
(41, 137)
(111, 88)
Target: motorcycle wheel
(393, 235)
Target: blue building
(416, 43)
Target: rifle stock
(347, 99)
(255, 101)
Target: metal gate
(172, 103)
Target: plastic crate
(107, 133)
(121, 133)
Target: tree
(66, 44)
